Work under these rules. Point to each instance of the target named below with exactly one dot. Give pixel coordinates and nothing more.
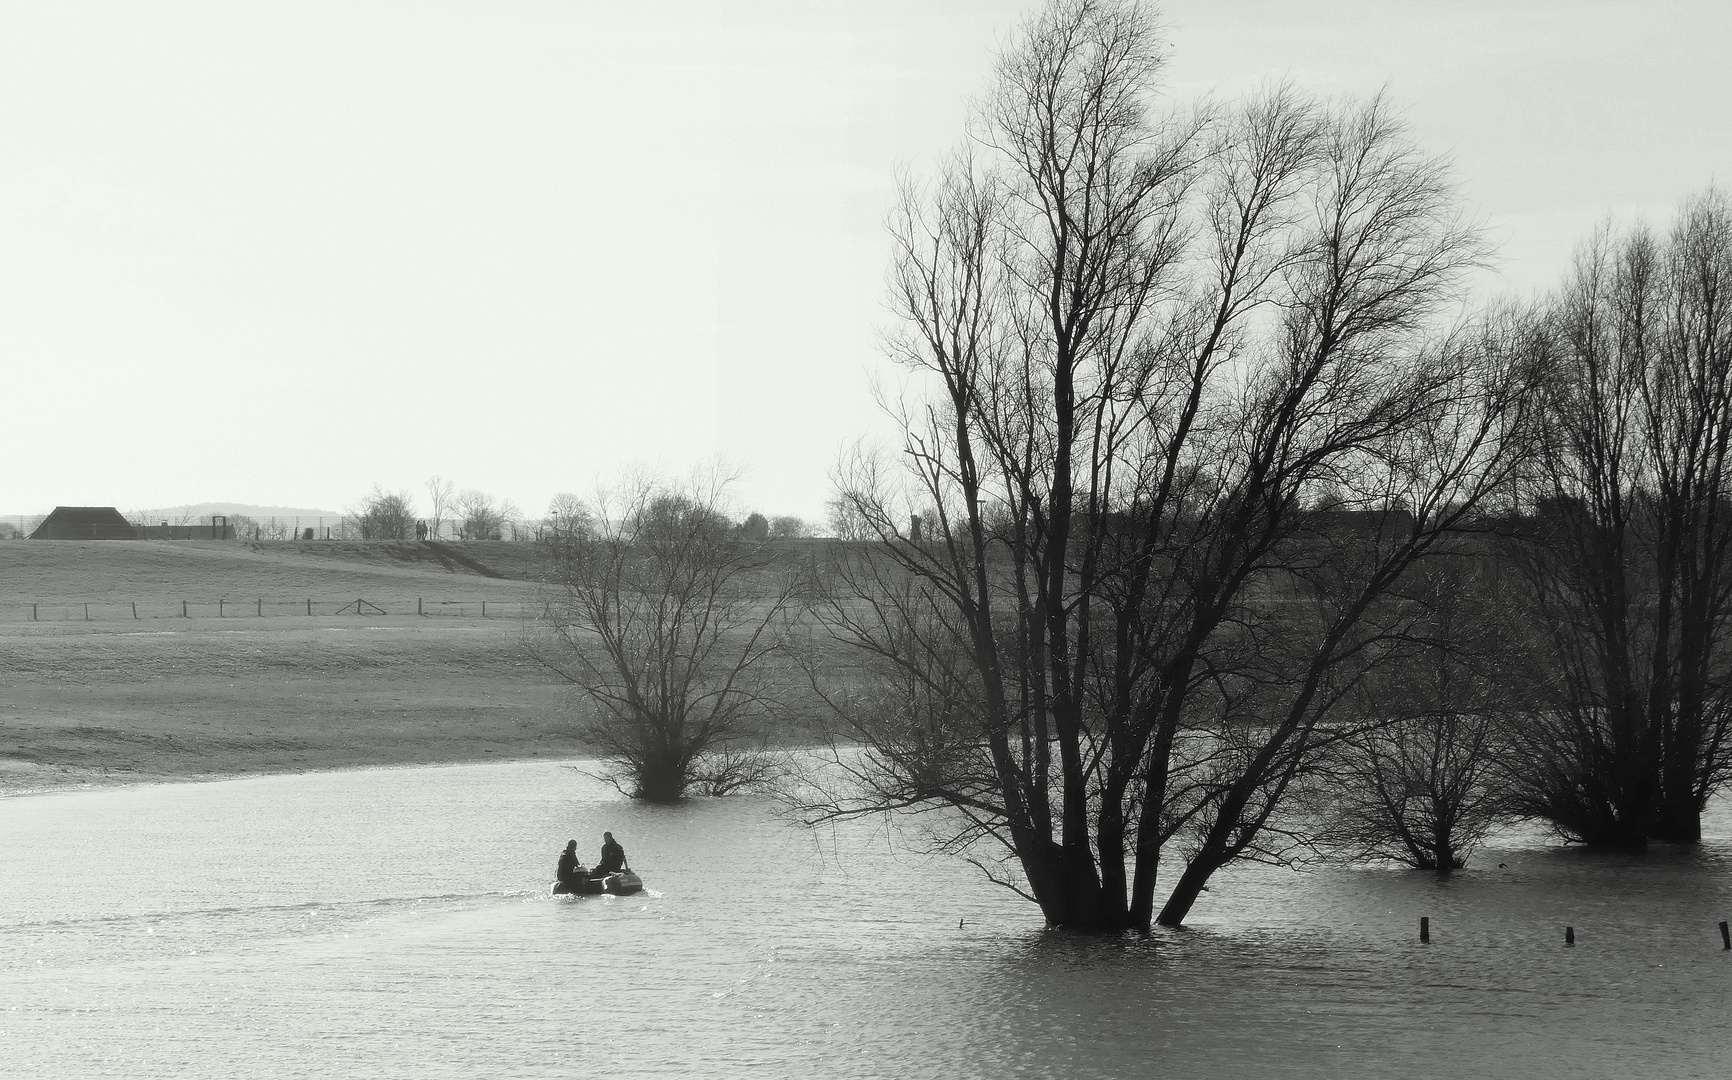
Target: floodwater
(396, 923)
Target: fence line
(259, 608)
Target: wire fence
(258, 608)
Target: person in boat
(612, 856)
(571, 873)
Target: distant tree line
(470, 514)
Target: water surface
(397, 923)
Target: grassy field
(101, 694)
(60, 576)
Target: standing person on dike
(570, 872)
(612, 856)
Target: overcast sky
(276, 253)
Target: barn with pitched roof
(85, 523)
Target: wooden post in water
(1424, 930)
(183, 609)
(261, 607)
(135, 609)
(1725, 938)
(357, 606)
(32, 612)
(417, 605)
(309, 605)
(219, 606)
(86, 612)
(484, 609)
(1569, 935)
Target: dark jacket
(612, 858)
(568, 868)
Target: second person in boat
(612, 857)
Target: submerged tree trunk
(661, 779)
(1185, 892)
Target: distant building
(85, 523)
(107, 523)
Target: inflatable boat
(621, 884)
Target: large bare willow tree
(1140, 339)
(1630, 557)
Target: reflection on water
(397, 923)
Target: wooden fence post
(1425, 930)
(1569, 935)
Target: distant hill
(259, 513)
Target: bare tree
(755, 528)
(1149, 338)
(844, 522)
(441, 497)
(1426, 779)
(274, 528)
(385, 515)
(481, 517)
(1629, 549)
(662, 617)
(569, 516)
(788, 527)
(516, 525)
